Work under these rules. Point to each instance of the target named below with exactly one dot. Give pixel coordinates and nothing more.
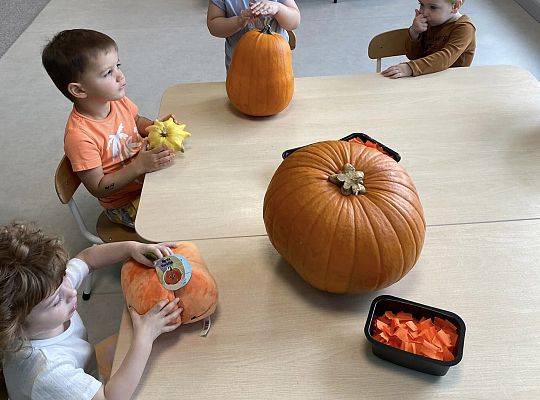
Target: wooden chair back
(292, 39)
(387, 44)
(66, 181)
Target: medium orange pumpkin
(198, 298)
(344, 243)
(260, 80)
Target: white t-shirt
(55, 368)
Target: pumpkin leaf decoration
(350, 180)
(167, 133)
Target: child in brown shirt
(439, 38)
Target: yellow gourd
(167, 133)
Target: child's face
(48, 316)
(437, 12)
(103, 80)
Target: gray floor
(16, 15)
(165, 42)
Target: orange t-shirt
(111, 143)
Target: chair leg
(379, 65)
(87, 287)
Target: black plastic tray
(357, 135)
(404, 358)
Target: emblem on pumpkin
(260, 80)
(142, 288)
(345, 216)
(167, 133)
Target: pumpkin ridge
(418, 232)
(415, 231)
(398, 237)
(373, 242)
(326, 160)
(414, 206)
(327, 263)
(356, 204)
(293, 189)
(293, 218)
(310, 240)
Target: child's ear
(76, 90)
(456, 6)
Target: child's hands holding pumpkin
(397, 71)
(153, 160)
(140, 250)
(147, 327)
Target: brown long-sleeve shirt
(451, 44)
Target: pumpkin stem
(266, 28)
(350, 180)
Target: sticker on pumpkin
(173, 271)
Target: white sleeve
(64, 381)
(76, 271)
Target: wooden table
(469, 137)
(275, 337)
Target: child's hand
(264, 8)
(160, 250)
(155, 159)
(397, 71)
(147, 327)
(419, 24)
(165, 118)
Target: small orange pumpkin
(198, 298)
(344, 243)
(260, 80)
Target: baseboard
(532, 7)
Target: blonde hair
(32, 266)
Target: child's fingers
(170, 328)
(168, 308)
(159, 306)
(173, 316)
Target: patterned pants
(124, 215)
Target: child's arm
(146, 328)
(412, 43)
(104, 255)
(221, 26)
(100, 184)
(458, 42)
(286, 14)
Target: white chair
(387, 44)
(66, 183)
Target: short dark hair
(67, 55)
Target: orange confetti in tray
(415, 335)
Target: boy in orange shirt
(439, 38)
(103, 132)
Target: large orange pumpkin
(344, 243)
(260, 80)
(198, 298)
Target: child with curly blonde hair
(439, 38)
(43, 341)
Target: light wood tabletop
(469, 137)
(275, 337)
